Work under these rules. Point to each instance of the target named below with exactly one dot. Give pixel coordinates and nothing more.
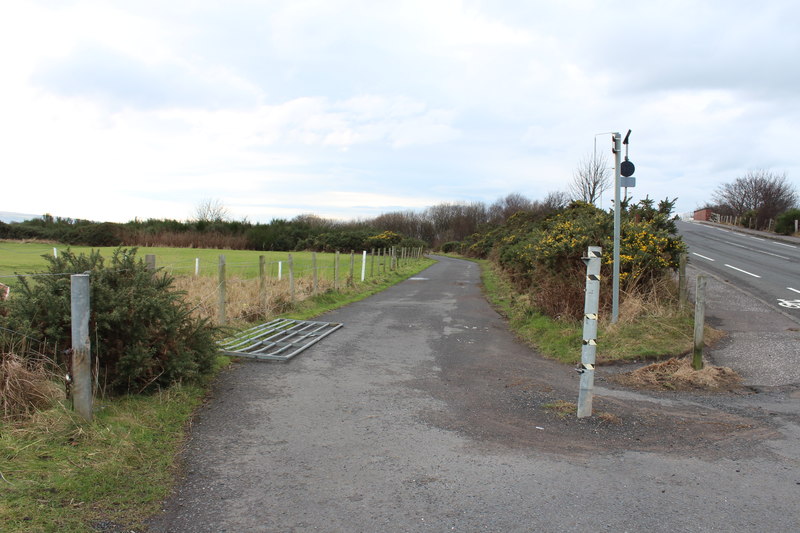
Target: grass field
(25, 258)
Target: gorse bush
(142, 332)
(543, 255)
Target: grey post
(699, 322)
(221, 296)
(81, 346)
(150, 261)
(617, 144)
(589, 349)
(372, 263)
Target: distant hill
(7, 216)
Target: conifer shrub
(142, 332)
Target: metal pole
(81, 346)
(221, 296)
(699, 322)
(617, 208)
(589, 349)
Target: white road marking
(791, 289)
(743, 271)
(756, 251)
(757, 238)
(784, 244)
(704, 257)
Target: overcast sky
(111, 110)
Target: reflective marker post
(586, 369)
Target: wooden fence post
(262, 282)
(291, 278)
(81, 346)
(682, 280)
(222, 296)
(350, 278)
(336, 271)
(314, 272)
(699, 322)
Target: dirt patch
(678, 374)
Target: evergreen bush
(785, 222)
(142, 333)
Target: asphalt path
(424, 413)
(767, 268)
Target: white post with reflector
(593, 261)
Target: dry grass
(561, 408)
(243, 296)
(678, 374)
(27, 384)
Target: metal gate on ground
(277, 340)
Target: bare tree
(504, 208)
(454, 222)
(591, 179)
(555, 200)
(211, 210)
(763, 191)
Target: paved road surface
(424, 414)
(767, 268)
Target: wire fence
(249, 288)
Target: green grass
(63, 474)
(659, 332)
(60, 474)
(23, 258)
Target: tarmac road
(425, 414)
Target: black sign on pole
(626, 168)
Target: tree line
(212, 227)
